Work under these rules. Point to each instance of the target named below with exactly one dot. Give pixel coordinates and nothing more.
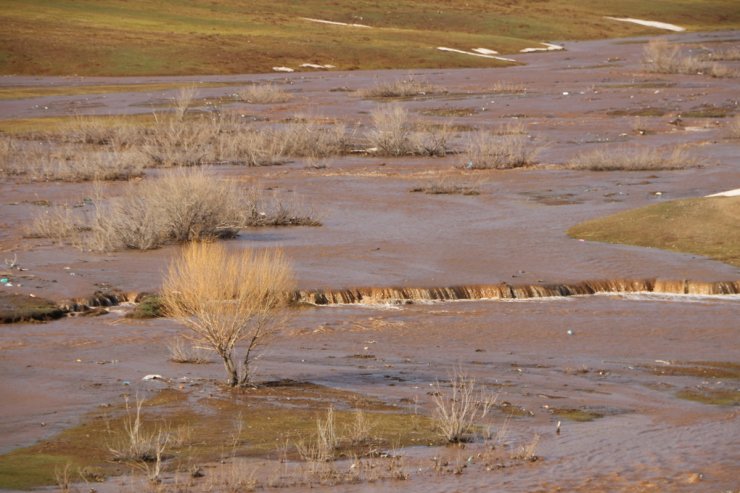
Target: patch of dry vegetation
(503, 87)
(634, 159)
(263, 94)
(458, 408)
(486, 149)
(400, 88)
(394, 134)
(662, 57)
(182, 205)
(446, 187)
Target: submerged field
(88, 38)
(602, 365)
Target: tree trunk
(231, 370)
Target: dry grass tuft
(137, 444)
(446, 187)
(263, 94)
(49, 161)
(725, 54)
(511, 128)
(228, 299)
(59, 223)
(393, 134)
(634, 159)
(661, 57)
(401, 88)
(457, 410)
(486, 150)
(392, 131)
(502, 87)
(182, 351)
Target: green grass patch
(150, 306)
(56, 124)
(578, 415)
(700, 369)
(715, 397)
(22, 92)
(704, 226)
(252, 422)
(107, 37)
(23, 308)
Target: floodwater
(602, 353)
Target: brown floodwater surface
(628, 359)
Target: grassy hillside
(705, 226)
(140, 37)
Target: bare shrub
(392, 132)
(228, 299)
(183, 351)
(486, 150)
(173, 141)
(137, 444)
(180, 206)
(47, 161)
(457, 410)
(729, 54)
(432, 141)
(399, 88)
(661, 57)
(59, 223)
(634, 159)
(183, 100)
(226, 138)
(263, 94)
(309, 139)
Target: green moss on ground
(266, 421)
(704, 226)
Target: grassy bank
(704, 226)
(107, 37)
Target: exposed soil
(645, 387)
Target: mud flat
(644, 385)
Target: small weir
(505, 291)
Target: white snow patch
(333, 23)
(642, 22)
(454, 50)
(282, 69)
(728, 193)
(485, 51)
(547, 47)
(316, 66)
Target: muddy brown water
(376, 233)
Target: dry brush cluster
(180, 206)
(662, 57)
(634, 159)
